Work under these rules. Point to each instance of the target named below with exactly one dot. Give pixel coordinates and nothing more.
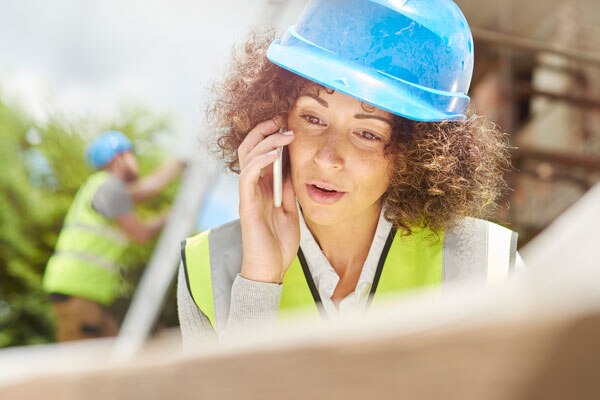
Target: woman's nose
(329, 153)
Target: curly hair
(441, 171)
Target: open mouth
(323, 193)
(324, 189)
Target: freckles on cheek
(299, 149)
(374, 160)
(377, 168)
(295, 157)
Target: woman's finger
(250, 175)
(269, 143)
(257, 134)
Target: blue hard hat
(106, 146)
(413, 58)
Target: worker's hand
(270, 235)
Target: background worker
(82, 276)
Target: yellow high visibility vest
(85, 260)
(212, 260)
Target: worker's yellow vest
(86, 256)
(212, 259)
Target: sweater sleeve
(195, 326)
(253, 304)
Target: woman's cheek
(294, 152)
(301, 144)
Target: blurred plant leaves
(42, 167)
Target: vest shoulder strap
(479, 250)
(502, 253)
(195, 255)
(81, 209)
(211, 262)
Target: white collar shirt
(326, 279)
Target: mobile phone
(278, 175)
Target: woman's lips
(323, 193)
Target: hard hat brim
(372, 87)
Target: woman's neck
(346, 244)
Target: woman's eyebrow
(316, 98)
(357, 116)
(366, 116)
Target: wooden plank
(545, 359)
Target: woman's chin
(320, 214)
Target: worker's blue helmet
(413, 58)
(106, 146)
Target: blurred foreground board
(537, 337)
(550, 359)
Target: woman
(385, 169)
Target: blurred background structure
(537, 75)
(69, 69)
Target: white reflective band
(499, 250)
(113, 234)
(90, 258)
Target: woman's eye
(312, 119)
(368, 135)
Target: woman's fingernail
(287, 133)
(272, 152)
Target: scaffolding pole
(162, 267)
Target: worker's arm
(150, 186)
(137, 230)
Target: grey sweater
(252, 303)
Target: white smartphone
(278, 175)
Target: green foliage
(42, 168)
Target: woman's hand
(270, 235)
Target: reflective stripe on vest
(88, 249)
(474, 249)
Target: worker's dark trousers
(78, 318)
